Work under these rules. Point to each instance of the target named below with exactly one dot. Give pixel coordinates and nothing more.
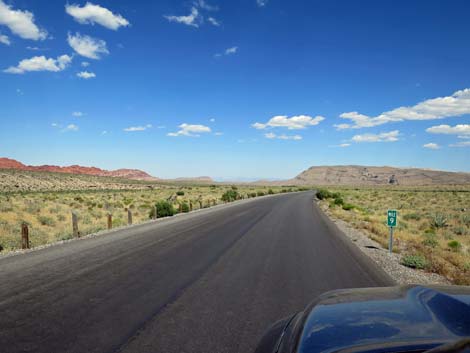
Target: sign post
(391, 223)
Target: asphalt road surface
(210, 281)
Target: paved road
(211, 281)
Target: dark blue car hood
(376, 318)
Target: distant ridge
(365, 175)
(134, 174)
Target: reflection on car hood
(394, 316)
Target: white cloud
(91, 14)
(391, 136)
(190, 130)
(212, 120)
(205, 6)
(231, 50)
(437, 108)
(138, 128)
(4, 39)
(85, 64)
(193, 19)
(432, 146)
(87, 46)
(20, 23)
(293, 123)
(261, 3)
(86, 75)
(271, 135)
(77, 114)
(345, 145)
(213, 21)
(461, 144)
(70, 127)
(218, 133)
(34, 48)
(40, 63)
(463, 130)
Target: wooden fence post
(156, 212)
(200, 204)
(110, 221)
(75, 231)
(190, 205)
(181, 208)
(24, 236)
(129, 217)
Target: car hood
(373, 319)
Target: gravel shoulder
(390, 263)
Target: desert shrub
(185, 207)
(414, 261)
(229, 195)
(61, 218)
(438, 220)
(454, 245)
(234, 187)
(164, 209)
(460, 230)
(180, 193)
(253, 194)
(430, 240)
(339, 201)
(46, 221)
(465, 220)
(260, 193)
(6, 206)
(270, 192)
(348, 207)
(413, 216)
(323, 194)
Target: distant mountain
(362, 175)
(134, 174)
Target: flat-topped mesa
(365, 175)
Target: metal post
(24, 236)
(390, 241)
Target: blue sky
(235, 89)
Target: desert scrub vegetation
(48, 213)
(433, 231)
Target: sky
(235, 90)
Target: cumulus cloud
(86, 75)
(70, 127)
(77, 114)
(432, 146)
(85, 64)
(391, 136)
(271, 135)
(40, 63)
(4, 39)
(461, 144)
(20, 23)
(193, 19)
(293, 123)
(437, 108)
(91, 14)
(462, 130)
(138, 128)
(261, 3)
(190, 130)
(87, 46)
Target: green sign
(392, 218)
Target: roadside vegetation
(48, 213)
(433, 231)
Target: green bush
(348, 207)
(430, 240)
(260, 193)
(414, 261)
(454, 245)
(253, 194)
(270, 192)
(323, 194)
(164, 209)
(46, 221)
(339, 201)
(184, 207)
(180, 193)
(230, 195)
(414, 216)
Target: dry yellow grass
(433, 224)
(48, 214)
